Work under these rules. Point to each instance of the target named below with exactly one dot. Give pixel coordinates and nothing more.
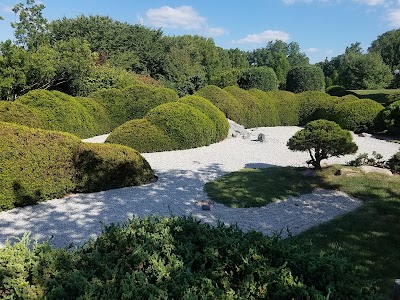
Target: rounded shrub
(143, 136)
(336, 90)
(98, 113)
(14, 112)
(390, 117)
(305, 78)
(315, 105)
(229, 105)
(184, 124)
(269, 112)
(358, 115)
(210, 110)
(287, 106)
(107, 166)
(263, 78)
(251, 108)
(394, 163)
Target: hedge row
(37, 164)
(179, 258)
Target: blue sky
(322, 28)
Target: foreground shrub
(142, 135)
(394, 163)
(179, 258)
(287, 105)
(305, 78)
(262, 78)
(185, 125)
(359, 115)
(390, 117)
(315, 105)
(229, 105)
(269, 112)
(14, 112)
(107, 166)
(211, 111)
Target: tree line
(78, 55)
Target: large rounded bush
(184, 124)
(99, 114)
(108, 166)
(358, 115)
(287, 105)
(315, 105)
(336, 90)
(142, 135)
(305, 78)
(268, 110)
(14, 112)
(210, 110)
(229, 105)
(263, 78)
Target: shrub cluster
(287, 106)
(269, 112)
(37, 165)
(179, 258)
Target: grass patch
(368, 237)
(259, 187)
(377, 95)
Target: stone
(346, 172)
(261, 138)
(371, 169)
(396, 294)
(206, 207)
(246, 135)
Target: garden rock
(346, 172)
(261, 138)
(371, 169)
(205, 205)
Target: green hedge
(210, 110)
(287, 105)
(133, 102)
(305, 78)
(37, 165)
(229, 105)
(184, 124)
(315, 105)
(358, 115)
(14, 112)
(179, 258)
(143, 136)
(268, 110)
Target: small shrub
(268, 110)
(364, 159)
(390, 117)
(262, 78)
(184, 124)
(305, 78)
(143, 136)
(211, 111)
(394, 163)
(287, 105)
(391, 98)
(108, 166)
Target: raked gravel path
(182, 174)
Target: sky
(322, 28)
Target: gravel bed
(182, 174)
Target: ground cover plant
(178, 258)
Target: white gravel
(182, 174)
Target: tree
(322, 139)
(263, 78)
(305, 78)
(387, 46)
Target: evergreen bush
(14, 112)
(268, 110)
(305, 78)
(287, 106)
(336, 90)
(390, 117)
(262, 78)
(315, 105)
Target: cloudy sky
(322, 28)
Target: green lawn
(377, 95)
(369, 237)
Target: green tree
(263, 78)
(387, 46)
(322, 139)
(305, 78)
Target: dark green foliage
(229, 105)
(394, 163)
(211, 111)
(287, 105)
(305, 78)
(184, 124)
(358, 115)
(35, 165)
(133, 102)
(14, 112)
(315, 105)
(251, 110)
(322, 139)
(179, 258)
(263, 78)
(107, 166)
(268, 110)
(390, 117)
(143, 136)
(336, 90)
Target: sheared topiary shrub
(263, 78)
(305, 78)
(214, 113)
(184, 124)
(98, 113)
(143, 136)
(336, 90)
(315, 105)
(108, 166)
(35, 165)
(359, 115)
(268, 110)
(61, 112)
(251, 107)
(229, 105)
(14, 112)
(287, 105)
(390, 117)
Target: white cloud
(263, 37)
(312, 50)
(215, 31)
(371, 2)
(184, 17)
(393, 18)
(6, 9)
